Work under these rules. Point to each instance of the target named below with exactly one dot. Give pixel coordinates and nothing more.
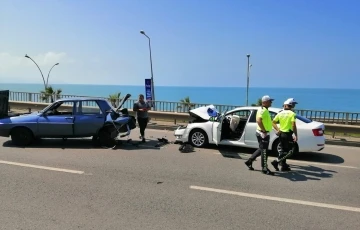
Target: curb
(327, 141)
(342, 143)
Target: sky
(292, 43)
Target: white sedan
(238, 128)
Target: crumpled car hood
(204, 112)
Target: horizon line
(183, 86)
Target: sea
(342, 100)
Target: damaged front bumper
(181, 134)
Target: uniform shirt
(141, 105)
(266, 119)
(285, 118)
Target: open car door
(216, 129)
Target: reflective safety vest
(285, 118)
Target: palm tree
(114, 98)
(50, 92)
(186, 104)
(258, 103)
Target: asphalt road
(56, 185)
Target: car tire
(22, 136)
(105, 140)
(95, 141)
(276, 146)
(198, 138)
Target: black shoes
(275, 163)
(285, 168)
(248, 163)
(267, 172)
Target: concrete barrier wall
(175, 118)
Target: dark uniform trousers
(262, 150)
(287, 146)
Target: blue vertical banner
(148, 91)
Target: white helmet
(290, 101)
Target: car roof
(272, 109)
(81, 99)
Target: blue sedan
(65, 118)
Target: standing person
(141, 108)
(264, 126)
(292, 102)
(287, 129)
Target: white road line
(296, 161)
(302, 202)
(41, 167)
(340, 147)
(325, 164)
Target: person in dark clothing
(141, 108)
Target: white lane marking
(316, 163)
(42, 167)
(302, 202)
(340, 147)
(295, 161)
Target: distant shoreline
(308, 98)
(184, 86)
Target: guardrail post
(29, 96)
(347, 119)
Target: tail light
(318, 132)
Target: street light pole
(247, 82)
(38, 68)
(47, 80)
(152, 74)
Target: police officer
(287, 133)
(264, 126)
(293, 103)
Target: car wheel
(95, 141)
(21, 136)
(198, 138)
(276, 147)
(105, 140)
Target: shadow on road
(304, 173)
(244, 153)
(298, 172)
(86, 144)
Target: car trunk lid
(203, 113)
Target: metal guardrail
(338, 117)
(178, 118)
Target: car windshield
(46, 108)
(303, 119)
(109, 104)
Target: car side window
(272, 115)
(88, 107)
(253, 116)
(61, 108)
(242, 114)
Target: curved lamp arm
(38, 68)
